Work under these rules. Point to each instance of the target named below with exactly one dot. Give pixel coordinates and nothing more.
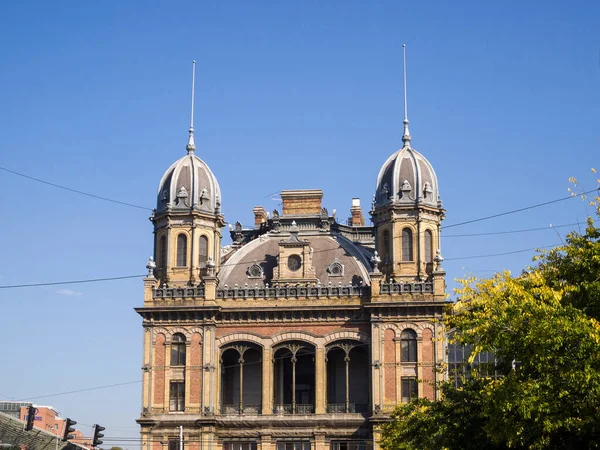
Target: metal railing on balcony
(343, 408)
(294, 409)
(236, 410)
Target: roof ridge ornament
(406, 136)
(191, 146)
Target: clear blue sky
(503, 100)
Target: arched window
(181, 250)
(428, 246)
(178, 350)
(407, 245)
(203, 251)
(408, 339)
(162, 248)
(386, 250)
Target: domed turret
(407, 177)
(407, 213)
(189, 183)
(187, 219)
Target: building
(305, 332)
(46, 418)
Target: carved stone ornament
(182, 196)
(151, 265)
(375, 261)
(427, 190)
(405, 190)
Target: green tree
(543, 325)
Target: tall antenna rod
(191, 146)
(406, 135)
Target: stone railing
(178, 292)
(257, 292)
(407, 288)
(235, 410)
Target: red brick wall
(389, 359)
(195, 373)
(427, 358)
(159, 373)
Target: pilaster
(420, 365)
(267, 378)
(320, 407)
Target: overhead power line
(493, 233)
(76, 191)
(500, 254)
(95, 388)
(526, 208)
(55, 283)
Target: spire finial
(406, 135)
(191, 146)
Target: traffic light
(96, 441)
(68, 429)
(30, 418)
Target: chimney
(357, 219)
(302, 202)
(260, 216)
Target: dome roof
(407, 177)
(189, 183)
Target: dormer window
(335, 269)
(255, 271)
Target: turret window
(408, 340)
(182, 250)
(407, 245)
(428, 246)
(178, 350)
(203, 251)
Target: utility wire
(526, 208)
(500, 254)
(76, 191)
(55, 283)
(82, 390)
(150, 209)
(493, 233)
(94, 280)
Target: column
(347, 361)
(241, 363)
(294, 360)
